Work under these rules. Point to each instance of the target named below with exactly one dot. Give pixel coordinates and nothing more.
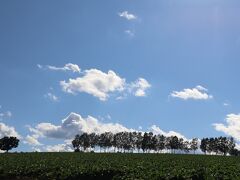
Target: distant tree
(85, 141)
(93, 139)
(181, 144)
(234, 152)
(173, 143)
(203, 145)
(7, 143)
(77, 143)
(194, 144)
(154, 142)
(231, 144)
(108, 140)
(139, 141)
(145, 142)
(225, 145)
(186, 146)
(161, 140)
(101, 141)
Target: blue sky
(173, 64)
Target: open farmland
(117, 166)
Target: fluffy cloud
(156, 130)
(140, 86)
(8, 131)
(101, 84)
(127, 15)
(96, 83)
(31, 140)
(197, 93)
(232, 126)
(51, 97)
(75, 124)
(67, 67)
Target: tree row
(148, 142)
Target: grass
(117, 166)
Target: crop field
(117, 166)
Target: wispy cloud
(226, 104)
(130, 33)
(51, 97)
(7, 114)
(67, 67)
(31, 140)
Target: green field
(117, 166)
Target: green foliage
(117, 166)
(7, 143)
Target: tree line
(148, 142)
(141, 142)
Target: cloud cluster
(101, 84)
(67, 67)
(127, 15)
(232, 126)
(197, 93)
(75, 124)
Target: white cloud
(140, 86)
(130, 33)
(96, 83)
(197, 93)
(156, 130)
(59, 148)
(31, 140)
(101, 85)
(75, 124)
(127, 15)
(232, 126)
(67, 67)
(52, 97)
(6, 130)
